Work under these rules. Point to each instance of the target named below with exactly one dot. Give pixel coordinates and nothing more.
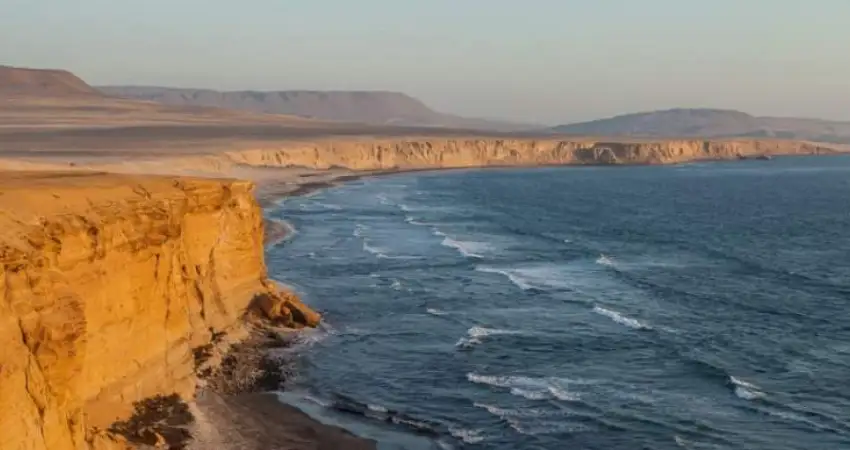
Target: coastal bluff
(436, 152)
(111, 284)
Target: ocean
(698, 306)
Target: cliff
(110, 284)
(430, 153)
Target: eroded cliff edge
(109, 283)
(433, 153)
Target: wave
(435, 312)
(511, 274)
(413, 221)
(382, 199)
(381, 252)
(286, 229)
(358, 230)
(308, 337)
(345, 404)
(605, 261)
(503, 413)
(515, 418)
(377, 251)
(470, 249)
(526, 387)
(476, 335)
(745, 390)
(546, 276)
(466, 435)
(622, 319)
(396, 285)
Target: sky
(544, 61)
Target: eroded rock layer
(433, 153)
(108, 283)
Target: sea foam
(475, 335)
(621, 318)
(745, 390)
(470, 249)
(526, 387)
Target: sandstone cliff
(108, 284)
(366, 154)
(427, 153)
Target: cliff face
(108, 283)
(446, 153)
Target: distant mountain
(710, 123)
(17, 81)
(374, 107)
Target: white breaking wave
(358, 230)
(465, 435)
(605, 261)
(435, 312)
(511, 274)
(746, 391)
(381, 252)
(318, 401)
(562, 394)
(377, 251)
(413, 221)
(503, 413)
(542, 276)
(470, 249)
(514, 418)
(309, 337)
(622, 319)
(376, 408)
(527, 387)
(476, 335)
(529, 394)
(396, 285)
(405, 208)
(382, 199)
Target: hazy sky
(552, 61)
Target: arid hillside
(371, 107)
(711, 123)
(15, 81)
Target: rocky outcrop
(428, 153)
(109, 286)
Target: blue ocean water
(701, 306)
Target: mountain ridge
(21, 81)
(710, 123)
(374, 107)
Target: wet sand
(262, 422)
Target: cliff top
(27, 198)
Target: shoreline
(269, 418)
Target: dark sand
(261, 422)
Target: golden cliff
(108, 284)
(367, 154)
(425, 153)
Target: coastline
(257, 408)
(258, 419)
